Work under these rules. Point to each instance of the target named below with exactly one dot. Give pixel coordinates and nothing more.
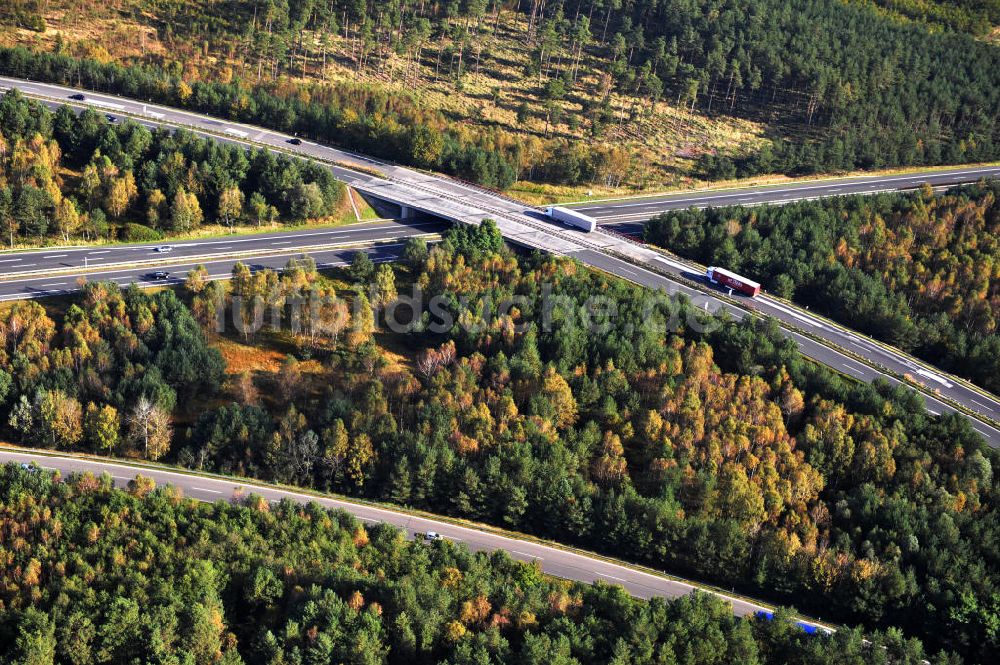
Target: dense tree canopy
(107, 376)
(95, 575)
(842, 85)
(69, 176)
(720, 454)
(921, 271)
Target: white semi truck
(572, 218)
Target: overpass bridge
(413, 190)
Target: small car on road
(431, 536)
(160, 275)
(78, 97)
(295, 141)
(163, 249)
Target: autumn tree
(185, 211)
(102, 427)
(197, 279)
(149, 428)
(67, 218)
(121, 194)
(230, 205)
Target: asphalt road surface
(809, 346)
(221, 268)
(569, 565)
(23, 263)
(464, 203)
(628, 214)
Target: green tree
(362, 268)
(102, 426)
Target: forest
(93, 574)
(558, 91)
(918, 270)
(977, 17)
(65, 176)
(721, 455)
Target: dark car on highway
(78, 97)
(295, 141)
(160, 274)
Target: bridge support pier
(406, 212)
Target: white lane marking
(791, 189)
(104, 104)
(852, 368)
(103, 251)
(673, 264)
(55, 256)
(53, 284)
(287, 242)
(235, 132)
(985, 406)
(9, 260)
(203, 489)
(190, 264)
(933, 412)
(533, 556)
(808, 320)
(610, 577)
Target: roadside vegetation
(920, 271)
(976, 17)
(722, 454)
(581, 92)
(66, 177)
(97, 575)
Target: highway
(526, 226)
(220, 268)
(62, 259)
(564, 563)
(627, 215)
(810, 347)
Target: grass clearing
(662, 142)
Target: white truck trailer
(572, 218)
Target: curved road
(572, 565)
(460, 202)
